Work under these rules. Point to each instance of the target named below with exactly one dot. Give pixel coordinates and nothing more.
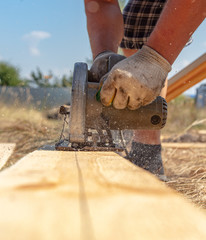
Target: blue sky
(52, 34)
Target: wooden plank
(184, 145)
(6, 149)
(51, 195)
(186, 78)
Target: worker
(151, 34)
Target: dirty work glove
(135, 81)
(100, 65)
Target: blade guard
(87, 113)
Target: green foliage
(9, 75)
(40, 80)
(66, 81)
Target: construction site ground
(183, 138)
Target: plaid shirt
(140, 18)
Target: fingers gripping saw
(91, 123)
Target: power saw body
(91, 123)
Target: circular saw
(91, 124)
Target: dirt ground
(185, 168)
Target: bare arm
(179, 19)
(138, 80)
(104, 24)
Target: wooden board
(51, 195)
(186, 78)
(6, 149)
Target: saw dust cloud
(185, 167)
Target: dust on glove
(135, 81)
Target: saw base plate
(66, 146)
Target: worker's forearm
(178, 21)
(104, 24)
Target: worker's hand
(100, 65)
(135, 81)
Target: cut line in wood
(52, 195)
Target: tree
(66, 81)
(9, 75)
(40, 80)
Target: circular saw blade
(78, 103)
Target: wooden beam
(6, 149)
(186, 78)
(50, 195)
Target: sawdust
(186, 169)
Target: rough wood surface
(6, 149)
(51, 195)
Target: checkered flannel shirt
(140, 18)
